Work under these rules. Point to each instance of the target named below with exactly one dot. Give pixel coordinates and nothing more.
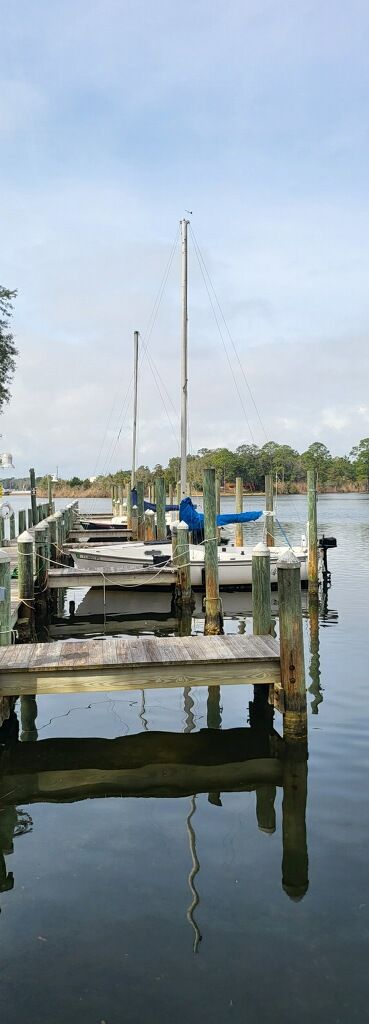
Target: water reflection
(164, 765)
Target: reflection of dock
(163, 765)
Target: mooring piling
(5, 598)
(129, 507)
(29, 514)
(213, 607)
(12, 526)
(49, 496)
(239, 508)
(22, 521)
(269, 508)
(134, 522)
(312, 531)
(183, 594)
(33, 496)
(140, 509)
(261, 590)
(149, 526)
(292, 647)
(25, 567)
(41, 551)
(161, 528)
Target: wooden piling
(261, 591)
(52, 541)
(171, 495)
(33, 496)
(41, 552)
(292, 647)
(134, 522)
(2, 531)
(161, 527)
(178, 502)
(29, 519)
(238, 539)
(25, 567)
(22, 521)
(213, 607)
(269, 508)
(140, 509)
(12, 526)
(149, 533)
(49, 496)
(184, 596)
(312, 531)
(5, 598)
(129, 508)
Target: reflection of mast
(188, 704)
(192, 875)
(142, 713)
(314, 668)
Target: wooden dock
(137, 663)
(134, 575)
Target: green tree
(360, 455)
(8, 350)
(318, 457)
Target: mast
(134, 437)
(184, 379)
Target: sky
(116, 118)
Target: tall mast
(184, 379)
(135, 380)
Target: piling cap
(4, 557)
(288, 560)
(25, 538)
(182, 525)
(149, 512)
(260, 549)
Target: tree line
(288, 466)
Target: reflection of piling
(28, 709)
(213, 608)
(292, 647)
(312, 531)
(295, 879)
(239, 508)
(265, 811)
(314, 669)
(269, 508)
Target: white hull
(235, 564)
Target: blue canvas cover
(149, 506)
(195, 520)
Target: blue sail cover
(149, 506)
(195, 520)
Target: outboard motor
(324, 544)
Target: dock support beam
(213, 607)
(312, 531)
(239, 508)
(269, 508)
(292, 648)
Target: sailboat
(235, 563)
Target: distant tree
(318, 457)
(75, 482)
(360, 455)
(8, 350)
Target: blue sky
(116, 117)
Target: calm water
(174, 907)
